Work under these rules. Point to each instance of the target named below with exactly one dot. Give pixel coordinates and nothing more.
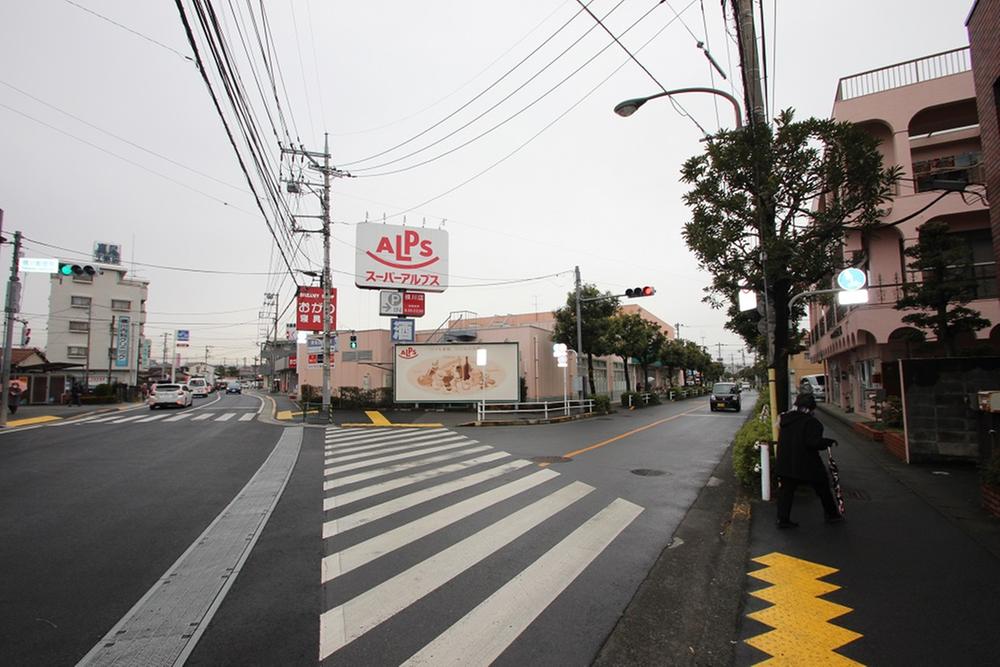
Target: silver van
(815, 385)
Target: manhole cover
(550, 459)
(857, 494)
(648, 472)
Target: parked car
(725, 396)
(234, 388)
(199, 387)
(170, 396)
(815, 385)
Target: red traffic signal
(635, 292)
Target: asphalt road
(384, 544)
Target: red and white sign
(309, 309)
(413, 304)
(402, 258)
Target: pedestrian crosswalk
(165, 416)
(408, 513)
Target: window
(80, 327)
(83, 278)
(76, 351)
(120, 304)
(80, 301)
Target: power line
(128, 29)
(478, 95)
(506, 120)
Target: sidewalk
(914, 568)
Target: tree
(595, 321)
(786, 193)
(949, 283)
(672, 356)
(629, 335)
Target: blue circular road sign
(851, 279)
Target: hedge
(746, 459)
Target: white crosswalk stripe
(248, 416)
(398, 467)
(202, 417)
(396, 473)
(165, 417)
(126, 419)
(374, 436)
(150, 419)
(355, 456)
(225, 417)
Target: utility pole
(324, 196)
(12, 307)
(757, 116)
(579, 337)
(111, 346)
(271, 298)
(719, 347)
(677, 327)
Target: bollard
(765, 471)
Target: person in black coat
(800, 441)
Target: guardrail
(545, 409)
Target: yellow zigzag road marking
(802, 634)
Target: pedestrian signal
(354, 342)
(67, 269)
(636, 292)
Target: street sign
(398, 257)
(309, 309)
(851, 279)
(403, 330)
(123, 344)
(413, 304)
(314, 344)
(390, 302)
(38, 265)
(747, 300)
(182, 338)
(290, 331)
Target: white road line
(247, 417)
(389, 507)
(357, 555)
(126, 419)
(150, 419)
(485, 632)
(177, 418)
(398, 467)
(343, 624)
(406, 437)
(333, 451)
(382, 436)
(103, 419)
(354, 456)
(226, 417)
(202, 417)
(399, 482)
(397, 457)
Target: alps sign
(401, 258)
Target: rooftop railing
(905, 73)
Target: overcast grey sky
(592, 189)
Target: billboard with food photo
(448, 373)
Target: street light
(629, 107)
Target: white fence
(534, 410)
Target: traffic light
(354, 342)
(25, 335)
(636, 292)
(67, 269)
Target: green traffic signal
(66, 269)
(354, 342)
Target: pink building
(370, 365)
(924, 113)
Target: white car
(170, 396)
(199, 387)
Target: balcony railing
(905, 73)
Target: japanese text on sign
(309, 309)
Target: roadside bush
(602, 404)
(892, 412)
(103, 390)
(626, 396)
(746, 459)
(654, 399)
(307, 392)
(98, 400)
(356, 397)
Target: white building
(97, 321)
